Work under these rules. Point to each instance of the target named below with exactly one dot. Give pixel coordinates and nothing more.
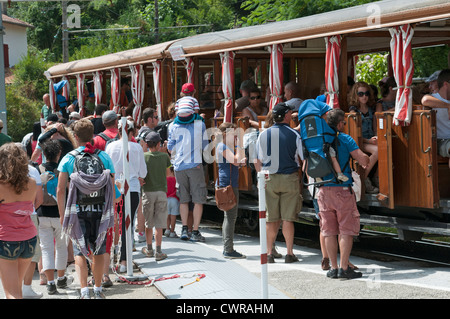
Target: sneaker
(141, 238)
(349, 273)
(184, 234)
(275, 253)
(290, 259)
(106, 281)
(342, 177)
(196, 236)
(63, 283)
(370, 189)
(85, 296)
(173, 235)
(332, 273)
(122, 269)
(233, 255)
(167, 232)
(148, 253)
(29, 293)
(270, 259)
(160, 256)
(51, 288)
(99, 295)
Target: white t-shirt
(34, 173)
(137, 167)
(442, 120)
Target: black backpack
(89, 164)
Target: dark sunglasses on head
(255, 97)
(361, 94)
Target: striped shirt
(186, 106)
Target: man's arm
(431, 101)
(361, 157)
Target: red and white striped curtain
(80, 94)
(403, 69)
(190, 70)
(115, 89)
(66, 89)
(137, 89)
(98, 88)
(227, 59)
(52, 93)
(158, 87)
(333, 53)
(276, 74)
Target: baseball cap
(433, 77)
(152, 137)
(109, 117)
(187, 88)
(280, 110)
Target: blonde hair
(14, 167)
(84, 129)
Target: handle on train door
(421, 132)
(354, 118)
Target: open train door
(385, 164)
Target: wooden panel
(385, 167)
(414, 157)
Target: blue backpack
(49, 185)
(317, 138)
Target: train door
(407, 161)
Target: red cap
(187, 88)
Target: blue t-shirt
(345, 145)
(225, 167)
(67, 162)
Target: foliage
(371, 68)
(22, 112)
(429, 60)
(261, 11)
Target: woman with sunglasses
(362, 101)
(255, 108)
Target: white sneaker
(29, 293)
(167, 233)
(122, 269)
(173, 235)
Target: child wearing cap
(187, 104)
(154, 198)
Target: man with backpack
(110, 121)
(339, 214)
(89, 211)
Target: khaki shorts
(283, 198)
(338, 211)
(191, 185)
(154, 209)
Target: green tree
(371, 68)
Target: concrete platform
(239, 278)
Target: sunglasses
(255, 97)
(361, 94)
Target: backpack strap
(104, 136)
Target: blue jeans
(12, 250)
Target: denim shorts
(12, 250)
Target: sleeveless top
(15, 221)
(366, 122)
(253, 113)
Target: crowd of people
(67, 182)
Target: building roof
(11, 20)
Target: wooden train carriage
(413, 180)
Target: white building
(14, 40)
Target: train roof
(366, 25)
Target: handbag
(225, 198)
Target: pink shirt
(15, 221)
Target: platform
(240, 278)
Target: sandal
(106, 281)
